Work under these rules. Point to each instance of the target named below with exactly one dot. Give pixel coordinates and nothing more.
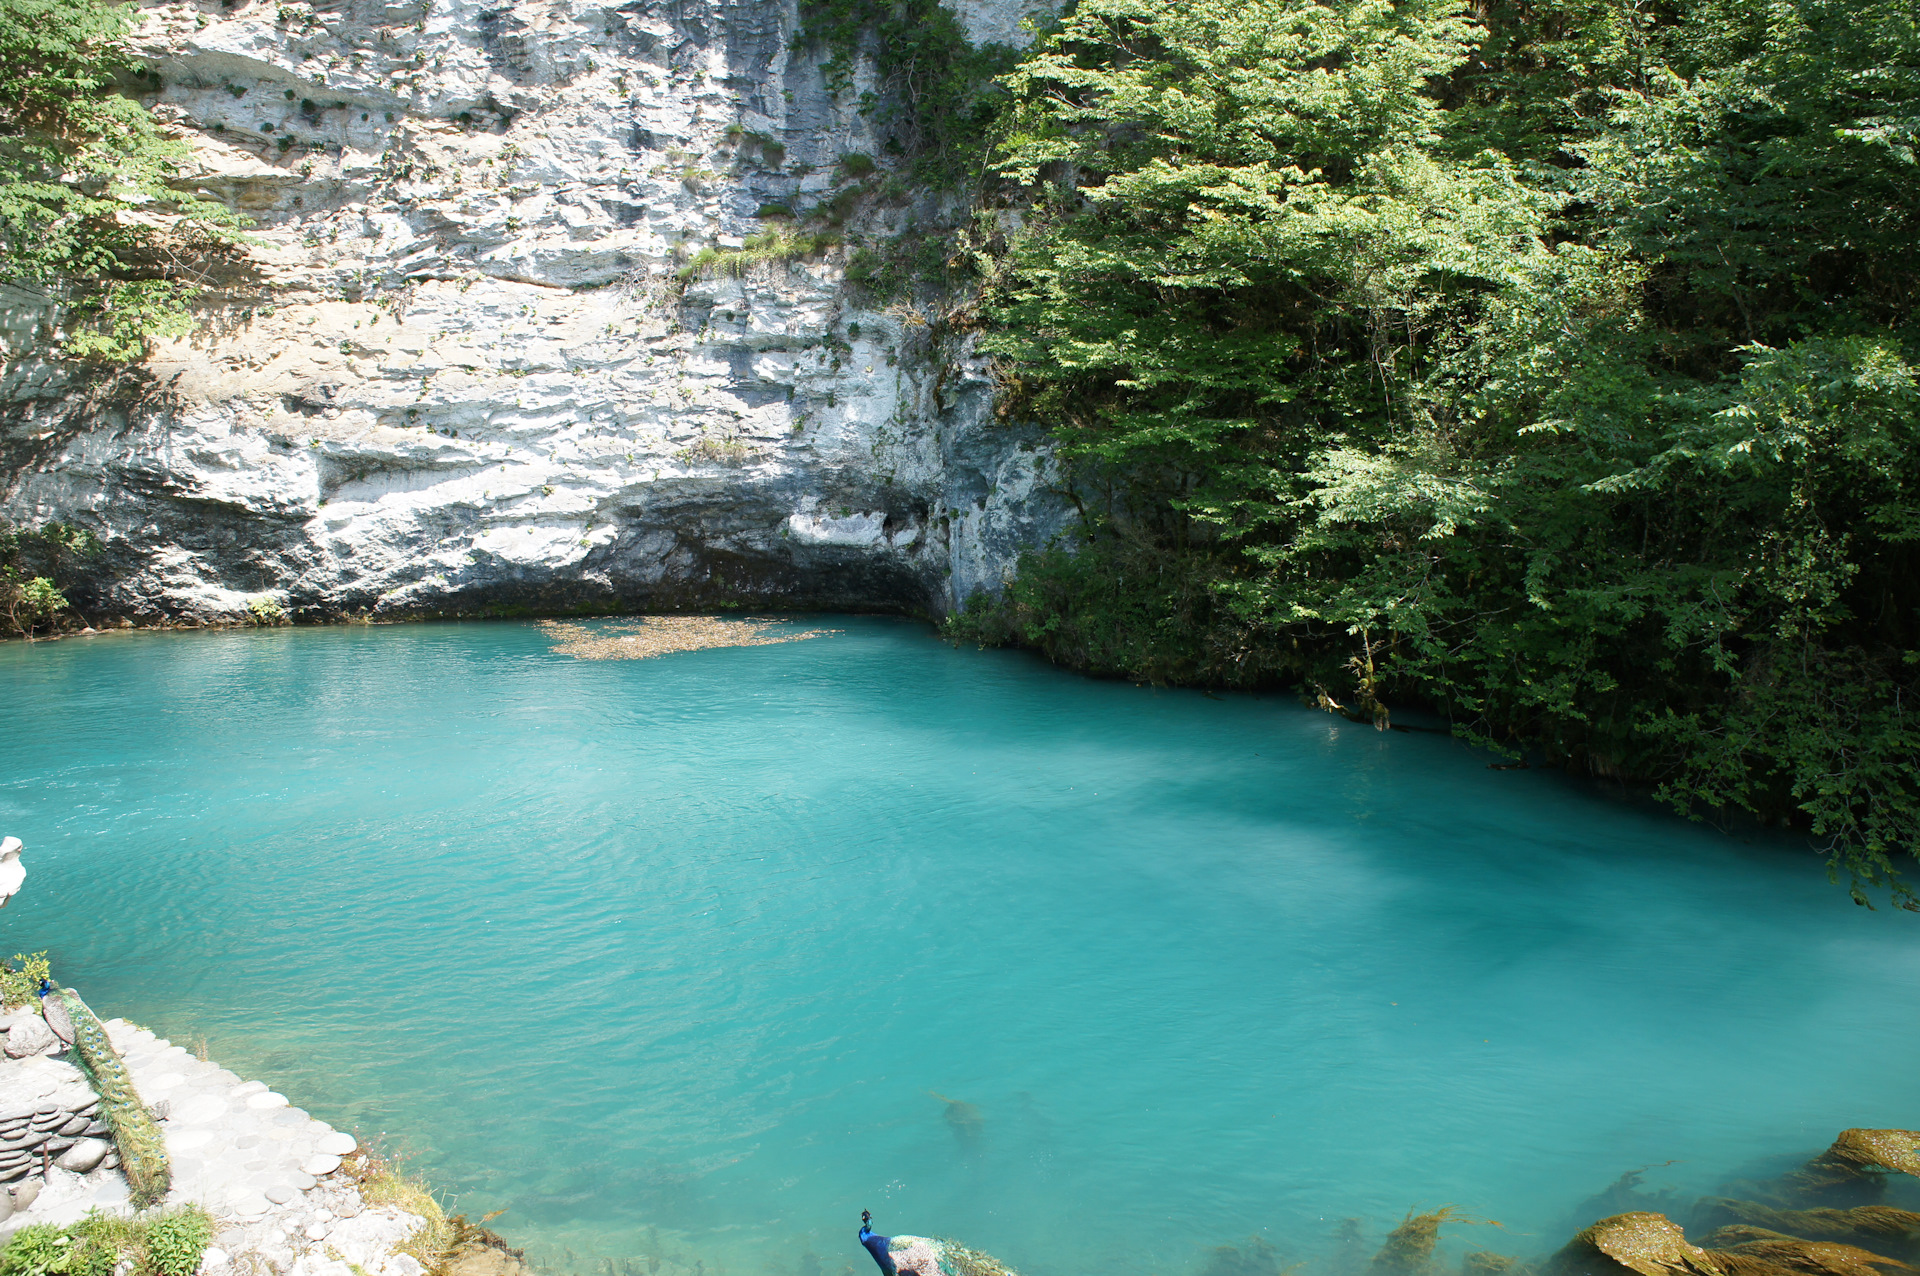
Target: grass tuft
(382, 1180)
(777, 243)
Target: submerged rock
(963, 1118)
(479, 1251)
(1880, 1228)
(1258, 1258)
(1853, 1171)
(1643, 1242)
(1770, 1254)
(1409, 1247)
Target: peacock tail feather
(143, 1149)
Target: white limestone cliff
(456, 371)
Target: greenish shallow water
(665, 957)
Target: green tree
(1553, 367)
(89, 209)
(29, 564)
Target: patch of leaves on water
(664, 635)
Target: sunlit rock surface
(456, 370)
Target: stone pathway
(264, 1169)
(269, 1173)
(235, 1146)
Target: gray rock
(74, 1127)
(97, 1130)
(84, 1156)
(54, 1011)
(830, 476)
(6, 1207)
(250, 1204)
(30, 1037)
(23, 1196)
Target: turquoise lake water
(671, 958)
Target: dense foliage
(936, 96)
(31, 562)
(169, 1243)
(86, 208)
(1549, 363)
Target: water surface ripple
(671, 958)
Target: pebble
(200, 1109)
(214, 1257)
(250, 1204)
(339, 1143)
(84, 1155)
(316, 1232)
(323, 1164)
(266, 1099)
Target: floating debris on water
(664, 635)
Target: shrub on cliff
(30, 562)
(1552, 363)
(88, 207)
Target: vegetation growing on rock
(168, 1243)
(88, 209)
(1551, 363)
